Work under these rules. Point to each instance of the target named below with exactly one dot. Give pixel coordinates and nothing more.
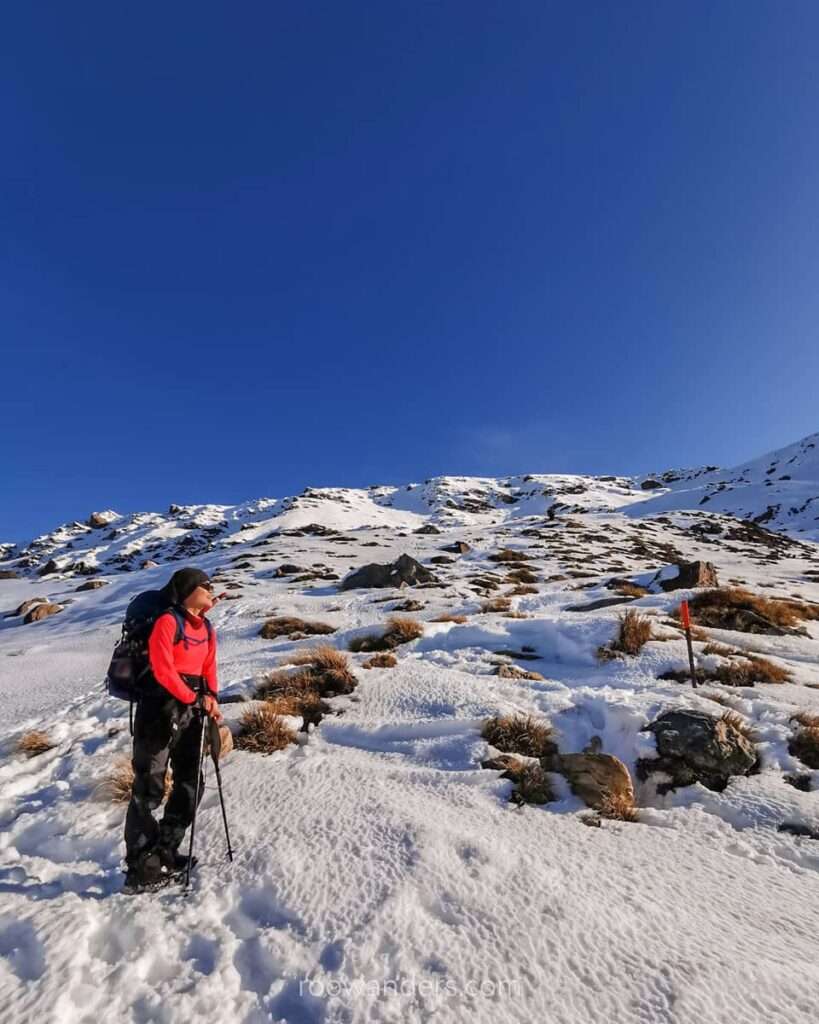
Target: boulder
(691, 575)
(288, 569)
(650, 485)
(459, 547)
(91, 585)
(99, 519)
(42, 611)
(225, 741)
(26, 606)
(404, 570)
(149, 563)
(441, 560)
(429, 528)
(50, 567)
(596, 778)
(693, 746)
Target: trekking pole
(215, 751)
(685, 617)
(195, 807)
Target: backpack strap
(181, 636)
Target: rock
(225, 740)
(695, 747)
(404, 570)
(50, 567)
(595, 778)
(288, 569)
(513, 672)
(691, 575)
(460, 547)
(91, 585)
(42, 611)
(9, 574)
(84, 568)
(149, 563)
(650, 485)
(99, 519)
(26, 606)
(429, 528)
(603, 602)
(441, 560)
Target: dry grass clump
(400, 629)
(746, 670)
(33, 743)
(286, 625)
(119, 782)
(520, 734)
(532, 784)
(521, 575)
(523, 588)
(719, 608)
(496, 604)
(328, 668)
(459, 619)
(804, 744)
(263, 731)
(294, 693)
(507, 555)
(618, 807)
(385, 660)
(735, 721)
(633, 634)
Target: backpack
(129, 672)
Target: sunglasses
(207, 586)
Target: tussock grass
(618, 807)
(385, 660)
(717, 608)
(118, 783)
(496, 604)
(263, 731)
(523, 588)
(735, 721)
(804, 743)
(458, 619)
(508, 555)
(400, 629)
(286, 625)
(520, 734)
(327, 667)
(522, 575)
(745, 670)
(33, 743)
(532, 784)
(633, 633)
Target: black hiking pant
(165, 730)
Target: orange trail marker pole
(685, 617)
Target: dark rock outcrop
(404, 570)
(691, 575)
(693, 746)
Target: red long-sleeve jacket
(194, 655)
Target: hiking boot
(147, 875)
(173, 860)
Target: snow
(380, 873)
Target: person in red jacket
(168, 728)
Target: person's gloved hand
(207, 702)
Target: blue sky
(247, 248)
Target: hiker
(179, 687)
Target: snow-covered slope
(380, 873)
(780, 489)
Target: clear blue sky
(249, 247)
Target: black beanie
(183, 583)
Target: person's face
(200, 600)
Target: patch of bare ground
(458, 619)
(740, 609)
(293, 628)
(385, 660)
(496, 604)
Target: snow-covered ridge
(780, 489)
